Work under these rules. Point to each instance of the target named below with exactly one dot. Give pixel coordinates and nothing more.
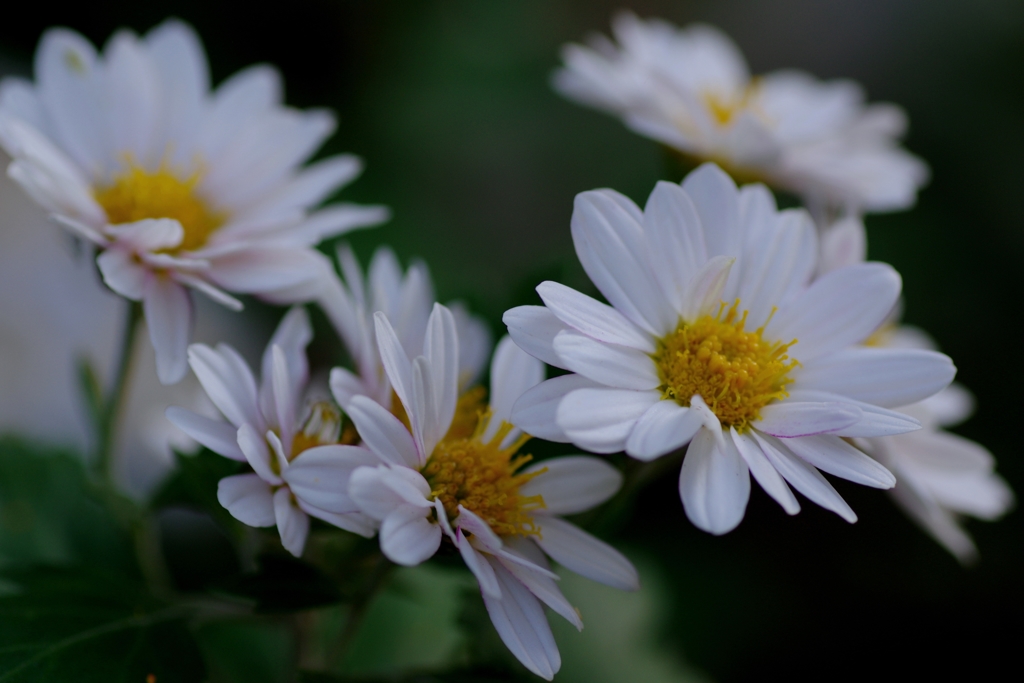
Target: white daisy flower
(691, 89)
(406, 299)
(299, 467)
(177, 185)
(475, 489)
(717, 337)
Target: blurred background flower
(450, 105)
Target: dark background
(448, 103)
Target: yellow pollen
(321, 427)
(485, 478)
(471, 405)
(136, 193)
(725, 108)
(734, 371)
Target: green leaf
(283, 584)
(194, 484)
(48, 513)
(83, 625)
(248, 651)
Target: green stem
(111, 410)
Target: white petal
(292, 523)
(716, 199)
(663, 428)
(123, 273)
(513, 373)
(600, 420)
(292, 336)
(572, 484)
(148, 234)
(320, 475)
(542, 586)
(704, 293)
(835, 456)
(593, 318)
(677, 241)
(805, 418)
(247, 498)
(839, 309)
(168, 311)
(398, 368)
(885, 377)
(383, 433)
(766, 475)
(254, 446)
(874, 421)
(844, 243)
(483, 535)
(441, 350)
(219, 436)
(378, 491)
(535, 411)
(578, 551)
(346, 385)
(479, 566)
(228, 382)
(714, 484)
(407, 537)
(803, 477)
(264, 269)
(519, 619)
(356, 522)
(615, 366)
(534, 329)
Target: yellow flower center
(485, 479)
(734, 371)
(135, 194)
(322, 427)
(724, 108)
(467, 413)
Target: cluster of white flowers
(760, 342)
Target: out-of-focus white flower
(54, 314)
(473, 487)
(717, 337)
(299, 468)
(178, 186)
(691, 90)
(940, 476)
(406, 300)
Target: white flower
(716, 337)
(407, 301)
(475, 490)
(299, 469)
(691, 90)
(178, 186)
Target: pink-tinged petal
(219, 436)
(889, 378)
(123, 273)
(571, 484)
(168, 312)
(833, 455)
(540, 584)
(663, 428)
(228, 382)
(593, 318)
(356, 522)
(520, 622)
(614, 366)
(839, 309)
(278, 452)
(397, 366)
(788, 419)
(346, 385)
(320, 475)
(513, 373)
(478, 565)
(178, 57)
(383, 433)
(716, 200)
(148, 234)
(407, 537)
(677, 241)
(803, 477)
(248, 499)
(533, 329)
(211, 292)
(313, 184)
(578, 551)
(482, 532)
(874, 421)
(704, 294)
(292, 523)
(536, 410)
(600, 420)
(766, 475)
(441, 351)
(77, 228)
(378, 491)
(714, 484)
(254, 446)
(338, 219)
(292, 335)
(612, 248)
(260, 270)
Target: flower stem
(108, 417)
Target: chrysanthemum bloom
(940, 476)
(460, 476)
(179, 187)
(717, 337)
(299, 468)
(690, 89)
(407, 301)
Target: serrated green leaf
(81, 625)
